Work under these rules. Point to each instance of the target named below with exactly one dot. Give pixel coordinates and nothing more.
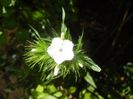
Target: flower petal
(67, 55)
(56, 43)
(53, 49)
(68, 45)
(61, 50)
(58, 59)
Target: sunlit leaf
(72, 89)
(51, 88)
(65, 97)
(57, 94)
(45, 96)
(87, 96)
(39, 88)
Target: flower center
(60, 50)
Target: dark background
(109, 39)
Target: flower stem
(62, 35)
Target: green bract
(37, 56)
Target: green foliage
(126, 89)
(45, 92)
(129, 69)
(106, 38)
(50, 91)
(89, 94)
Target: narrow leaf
(35, 31)
(90, 80)
(92, 64)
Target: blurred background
(108, 40)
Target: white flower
(61, 50)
